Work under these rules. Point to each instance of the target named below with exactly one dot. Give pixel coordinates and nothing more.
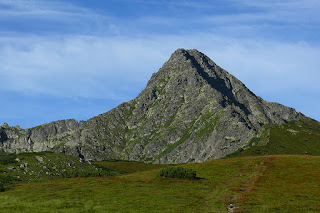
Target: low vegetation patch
(89, 172)
(177, 172)
(129, 167)
(7, 158)
(46, 166)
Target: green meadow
(288, 183)
(298, 137)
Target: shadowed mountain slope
(190, 111)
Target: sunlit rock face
(190, 111)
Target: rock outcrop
(191, 110)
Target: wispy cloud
(177, 3)
(42, 8)
(53, 17)
(287, 10)
(289, 20)
(76, 66)
(274, 4)
(111, 58)
(87, 66)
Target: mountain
(191, 110)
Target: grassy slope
(290, 184)
(297, 137)
(255, 184)
(44, 166)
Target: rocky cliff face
(191, 110)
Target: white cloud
(291, 11)
(176, 3)
(55, 17)
(118, 67)
(94, 66)
(42, 8)
(284, 4)
(76, 66)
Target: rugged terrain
(190, 111)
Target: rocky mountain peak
(191, 110)
(192, 65)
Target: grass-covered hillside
(300, 137)
(45, 166)
(241, 184)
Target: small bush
(2, 189)
(6, 180)
(7, 158)
(88, 172)
(177, 172)
(256, 151)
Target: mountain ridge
(191, 110)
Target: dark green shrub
(2, 189)
(235, 153)
(88, 172)
(177, 172)
(256, 151)
(7, 158)
(6, 180)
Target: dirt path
(235, 192)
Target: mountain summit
(191, 110)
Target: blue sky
(79, 58)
